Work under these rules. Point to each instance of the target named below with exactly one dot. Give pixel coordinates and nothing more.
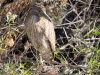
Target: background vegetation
(77, 28)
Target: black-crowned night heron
(40, 31)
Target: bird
(40, 31)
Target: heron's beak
(47, 17)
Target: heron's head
(39, 9)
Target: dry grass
(77, 27)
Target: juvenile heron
(40, 31)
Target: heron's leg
(41, 60)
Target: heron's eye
(40, 11)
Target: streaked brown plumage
(40, 30)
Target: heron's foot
(41, 62)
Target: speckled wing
(51, 37)
(49, 32)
